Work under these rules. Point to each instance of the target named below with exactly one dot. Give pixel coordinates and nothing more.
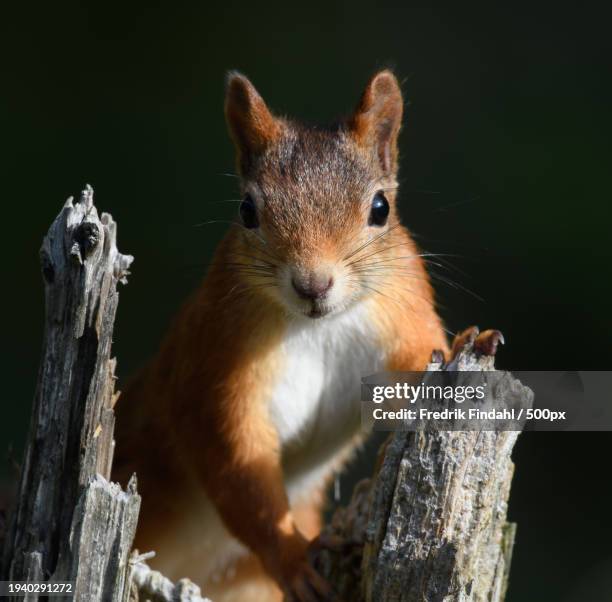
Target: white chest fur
(316, 409)
(315, 405)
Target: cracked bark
(70, 523)
(431, 525)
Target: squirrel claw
(309, 586)
(333, 543)
(437, 356)
(464, 340)
(486, 342)
(482, 343)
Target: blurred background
(505, 165)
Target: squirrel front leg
(240, 468)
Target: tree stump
(70, 523)
(431, 524)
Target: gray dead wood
(70, 523)
(152, 586)
(431, 526)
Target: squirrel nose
(313, 288)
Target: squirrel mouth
(317, 312)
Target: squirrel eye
(379, 211)
(248, 212)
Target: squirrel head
(318, 203)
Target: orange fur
(196, 423)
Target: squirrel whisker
(372, 240)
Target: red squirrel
(251, 404)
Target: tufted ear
(376, 122)
(251, 124)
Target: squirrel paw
(481, 343)
(306, 585)
(331, 542)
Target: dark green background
(505, 162)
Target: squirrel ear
(251, 125)
(376, 122)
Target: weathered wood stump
(70, 523)
(431, 524)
